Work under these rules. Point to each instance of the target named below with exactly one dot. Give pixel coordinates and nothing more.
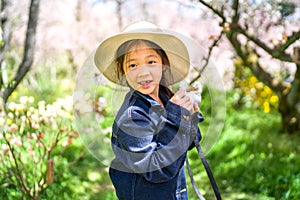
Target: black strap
(193, 181)
(208, 171)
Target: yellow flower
(274, 99)
(7, 137)
(238, 62)
(253, 80)
(264, 94)
(14, 95)
(9, 121)
(267, 107)
(252, 58)
(259, 85)
(267, 90)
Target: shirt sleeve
(156, 149)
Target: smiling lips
(145, 84)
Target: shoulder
(135, 102)
(133, 108)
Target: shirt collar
(149, 99)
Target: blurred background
(253, 46)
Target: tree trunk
(6, 37)
(289, 106)
(29, 48)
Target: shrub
(32, 144)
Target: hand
(182, 100)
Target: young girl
(154, 127)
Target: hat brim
(105, 55)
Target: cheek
(158, 74)
(130, 77)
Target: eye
(152, 62)
(131, 66)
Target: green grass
(253, 159)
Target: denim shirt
(150, 143)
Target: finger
(175, 99)
(187, 105)
(196, 107)
(186, 99)
(180, 93)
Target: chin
(147, 91)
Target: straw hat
(171, 42)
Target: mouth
(145, 84)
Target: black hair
(129, 45)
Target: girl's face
(143, 69)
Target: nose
(143, 71)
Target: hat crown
(141, 25)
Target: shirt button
(186, 117)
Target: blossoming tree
(264, 35)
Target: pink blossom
(13, 127)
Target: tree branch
(207, 58)
(278, 52)
(255, 67)
(235, 7)
(16, 163)
(290, 40)
(216, 11)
